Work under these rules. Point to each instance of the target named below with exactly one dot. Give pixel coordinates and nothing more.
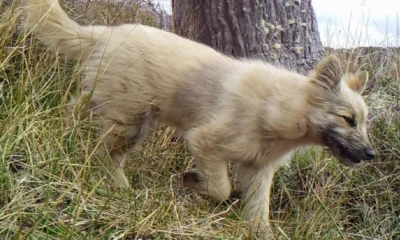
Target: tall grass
(53, 186)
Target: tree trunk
(283, 32)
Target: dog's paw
(236, 194)
(190, 179)
(233, 199)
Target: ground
(52, 186)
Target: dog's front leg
(254, 187)
(210, 179)
(211, 176)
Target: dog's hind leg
(119, 140)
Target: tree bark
(282, 32)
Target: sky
(352, 23)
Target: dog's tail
(55, 29)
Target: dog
(241, 110)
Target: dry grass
(52, 186)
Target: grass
(52, 185)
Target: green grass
(53, 186)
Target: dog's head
(338, 114)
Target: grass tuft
(52, 186)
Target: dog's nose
(370, 154)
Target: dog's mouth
(350, 162)
(348, 157)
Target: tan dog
(245, 111)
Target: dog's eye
(350, 120)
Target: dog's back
(177, 78)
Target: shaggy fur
(245, 111)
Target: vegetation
(52, 185)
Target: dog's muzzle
(369, 154)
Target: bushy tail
(55, 29)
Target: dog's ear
(327, 73)
(358, 81)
